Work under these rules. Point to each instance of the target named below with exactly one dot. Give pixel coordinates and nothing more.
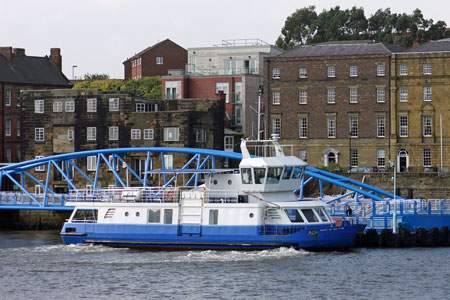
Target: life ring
(170, 195)
(120, 194)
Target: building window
(331, 71)
(8, 99)
(353, 71)
(92, 163)
(148, 134)
(159, 60)
(135, 134)
(171, 134)
(140, 107)
(18, 127)
(113, 104)
(39, 189)
(92, 133)
(354, 157)
(403, 126)
(39, 134)
(353, 95)
(276, 97)
(303, 155)
(114, 133)
(168, 161)
(403, 94)
(70, 106)
(381, 158)
(8, 127)
(427, 93)
(381, 95)
(57, 106)
(229, 143)
(276, 73)
(403, 69)
(200, 135)
(302, 72)
(381, 126)
(302, 96)
(40, 168)
(8, 155)
(331, 96)
(353, 127)
(276, 126)
(380, 70)
(39, 106)
(70, 135)
(303, 128)
(427, 126)
(331, 127)
(427, 69)
(427, 157)
(92, 105)
(223, 87)
(114, 162)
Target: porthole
(230, 182)
(251, 215)
(126, 214)
(137, 214)
(215, 182)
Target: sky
(97, 36)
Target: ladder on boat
(191, 212)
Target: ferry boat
(250, 208)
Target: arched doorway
(402, 160)
(330, 156)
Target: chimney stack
(7, 51)
(19, 52)
(56, 58)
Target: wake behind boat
(251, 208)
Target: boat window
(321, 214)
(246, 174)
(287, 172)
(260, 174)
(213, 216)
(154, 215)
(310, 215)
(168, 213)
(298, 172)
(273, 176)
(294, 215)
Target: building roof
(31, 70)
(343, 48)
(150, 48)
(442, 45)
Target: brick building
(331, 102)
(420, 90)
(21, 72)
(156, 60)
(64, 121)
(234, 68)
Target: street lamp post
(73, 72)
(394, 215)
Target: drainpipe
(3, 122)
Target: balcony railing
(193, 70)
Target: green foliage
(147, 87)
(333, 168)
(88, 76)
(304, 26)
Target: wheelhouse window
(287, 173)
(168, 216)
(293, 215)
(260, 175)
(154, 216)
(246, 174)
(310, 215)
(322, 214)
(273, 176)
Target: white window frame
(225, 88)
(353, 95)
(168, 161)
(276, 73)
(353, 126)
(403, 69)
(91, 163)
(228, 143)
(113, 133)
(40, 168)
(353, 71)
(426, 153)
(39, 189)
(381, 158)
(302, 72)
(69, 106)
(302, 96)
(303, 128)
(426, 68)
(354, 160)
(91, 133)
(70, 135)
(331, 96)
(91, 104)
(200, 135)
(381, 126)
(381, 95)
(427, 126)
(39, 106)
(8, 124)
(276, 126)
(135, 134)
(8, 99)
(149, 134)
(403, 94)
(39, 134)
(57, 106)
(140, 107)
(159, 60)
(331, 127)
(427, 93)
(276, 97)
(114, 104)
(331, 71)
(303, 155)
(113, 162)
(171, 134)
(403, 126)
(381, 70)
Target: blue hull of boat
(191, 237)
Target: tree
(298, 29)
(88, 76)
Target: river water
(36, 265)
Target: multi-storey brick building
(64, 121)
(235, 68)
(21, 72)
(156, 60)
(331, 102)
(420, 91)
